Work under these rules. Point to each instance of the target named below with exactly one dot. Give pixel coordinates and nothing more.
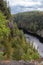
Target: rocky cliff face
(40, 32)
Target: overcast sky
(30, 4)
(25, 2)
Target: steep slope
(31, 21)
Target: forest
(30, 21)
(13, 45)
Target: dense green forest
(31, 21)
(5, 9)
(13, 43)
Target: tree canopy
(31, 21)
(12, 40)
(5, 9)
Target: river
(36, 43)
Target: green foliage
(31, 21)
(4, 30)
(25, 54)
(5, 9)
(22, 49)
(1, 56)
(15, 47)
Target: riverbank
(32, 34)
(36, 44)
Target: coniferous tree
(5, 9)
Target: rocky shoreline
(21, 62)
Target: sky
(27, 4)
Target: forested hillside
(5, 9)
(31, 21)
(13, 45)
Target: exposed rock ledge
(21, 62)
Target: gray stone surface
(16, 63)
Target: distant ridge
(20, 8)
(31, 21)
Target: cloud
(18, 8)
(24, 2)
(25, 5)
